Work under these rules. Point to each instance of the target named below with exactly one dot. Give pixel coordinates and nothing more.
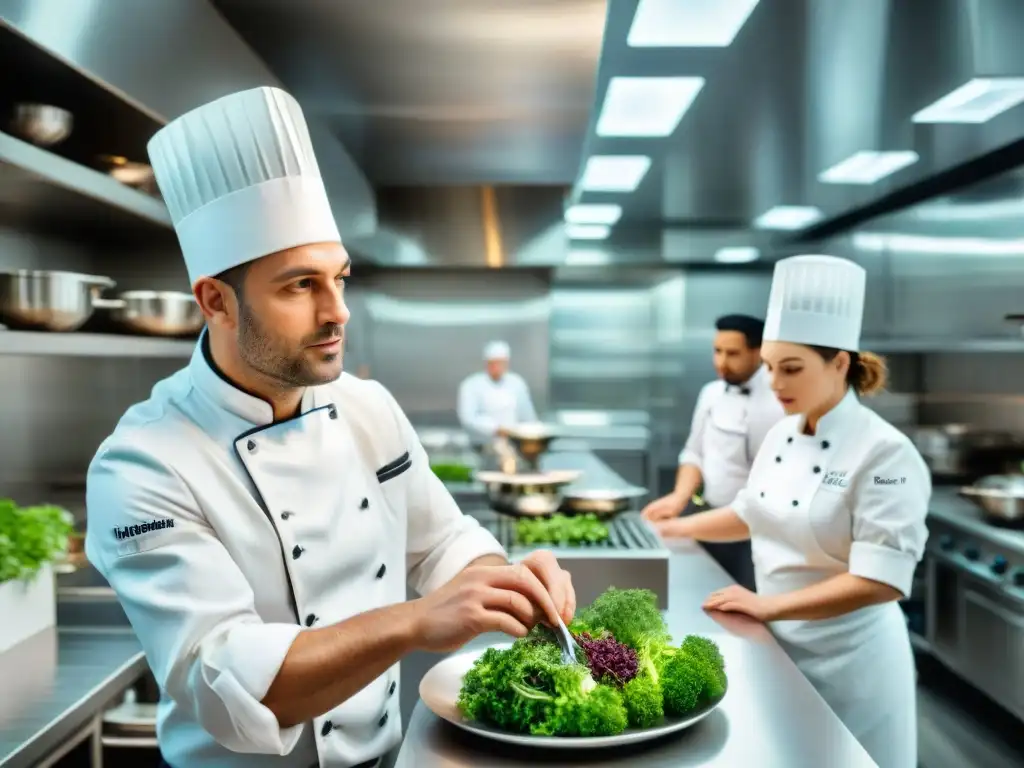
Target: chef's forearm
(688, 480)
(325, 667)
(833, 597)
(721, 525)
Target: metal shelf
(36, 343)
(39, 189)
(911, 345)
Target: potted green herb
(31, 538)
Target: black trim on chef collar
(204, 346)
(394, 468)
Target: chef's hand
(664, 508)
(557, 581)
(675, 528)
(737, 599)
(489, 598)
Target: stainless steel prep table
(93, 666)
(770, 718)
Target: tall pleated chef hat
(816, 300)
(497, 350)
(241, 181)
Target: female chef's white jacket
(225, 535)
(852, 498)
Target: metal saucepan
(156, 313)
(531, 439)
(950, 449)
(139, 176)
(48, 301)
(604, 503)
(526, 495)
(1001, 497)
(41, 124)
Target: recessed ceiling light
(593, 213)
(646, 106)
(789, 217)
(977, 101)
(737, 255)
(614, 173)
(587, 231)
(688, 23)
(587, 258)
(867, 167)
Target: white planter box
(27, 607)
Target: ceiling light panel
(867, 167)
(788, 217)
(688, 23)
(977, 101)
(646, 106)
(614, 173)
(587, 231)
(737, 255)
(593, 213)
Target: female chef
(261, 514)
(835, 509)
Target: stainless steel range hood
(466, 227)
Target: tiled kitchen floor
(960, 728)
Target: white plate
(552, 477)
(440, 687)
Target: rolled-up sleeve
(441, 540)
(190, 605)
(693, 451)
(889, 516)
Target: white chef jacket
(485, 404)
(225, 535)
(853, 498)
(729, 425)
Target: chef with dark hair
(730, 421)
(260, 515)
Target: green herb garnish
(561, 529)
(31, 537)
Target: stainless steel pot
(603, 503)
(530, 440)
(155, 313)
(948, 448)
(41, 124)
(1001, 497)
(48, 301)
(527, 495)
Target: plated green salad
(628, 674)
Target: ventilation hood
(466, 227)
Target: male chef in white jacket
(494, 399)
(259, 516)
(730, 421)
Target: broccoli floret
(712, 665)
(643, 700)
(630, 615)
(682, 681)
(581, 707)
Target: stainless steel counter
(771, 716)
(52, 687)
(948, 506)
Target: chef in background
(835, 507)
(732, 416)
(260, 515)
(494, 399)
